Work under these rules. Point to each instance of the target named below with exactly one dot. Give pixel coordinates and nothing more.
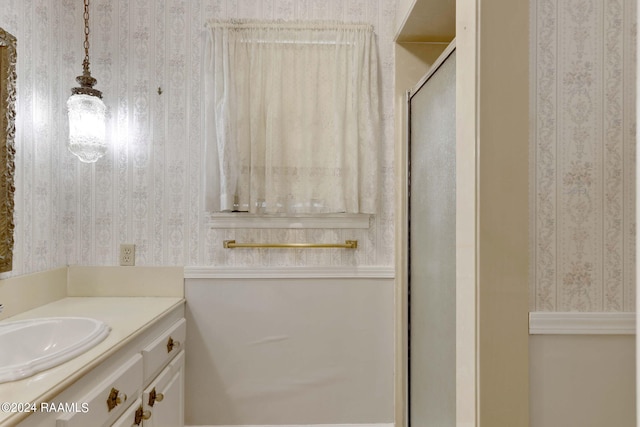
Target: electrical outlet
(127, 254)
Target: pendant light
(86, 110)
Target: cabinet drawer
(162, 400)
(159, 384)
(178, 363)
(157, 354)
(131, 416)
(109, 399)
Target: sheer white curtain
(292, 117)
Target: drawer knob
(155, 397)
(141, 415)
(171, 344)
(115, 398)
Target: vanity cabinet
(130, 416)
(162, 401)
(108, 398)
(142, 384)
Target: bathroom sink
(31, 346)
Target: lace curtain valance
(292, 118)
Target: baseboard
(307, 425)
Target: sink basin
(31, 346)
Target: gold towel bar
(348, 244)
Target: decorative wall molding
(329, 272)
(570, 323)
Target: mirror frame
(8, 77)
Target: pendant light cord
(85, 63)
(86, 80)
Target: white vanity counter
(128, 317)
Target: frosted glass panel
(432, 375)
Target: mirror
(8, 59)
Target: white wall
(289, 350)
(582, 380)
(147, 189)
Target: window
(292, 118)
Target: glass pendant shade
(87, 136)
(87, 127)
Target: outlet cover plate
(127, 254)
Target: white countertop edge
(95, 356)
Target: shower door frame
(449, 50)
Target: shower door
(432, 236)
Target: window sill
(246, 220)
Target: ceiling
(429, 21)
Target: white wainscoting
(290, 346)
(582, 369)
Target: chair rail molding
(319, 272)
(582, 323)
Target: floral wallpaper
(147, 57)
(582, 182)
